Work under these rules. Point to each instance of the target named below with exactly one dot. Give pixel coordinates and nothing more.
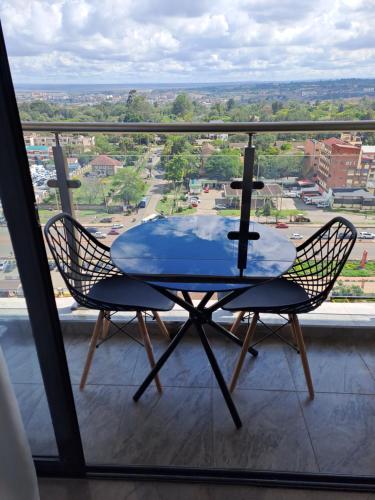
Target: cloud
(197, 40)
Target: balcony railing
(67, 199)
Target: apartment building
(38, 154)
(336, 163)
(368, 161)
(84, 143)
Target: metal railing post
(62, 176)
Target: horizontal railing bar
(185, 128)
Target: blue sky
(120, 41)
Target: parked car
(113, 232)
(8, 266)
(220, 206)
(106, 219)
(92, 230)
(296, 236)
(117, 226)
(365, 235)
(196, 199)
(323, 204)
(153, 218)
(343, 236)
(282, 225)
(2, 263)
(194, 203)
(100, 235)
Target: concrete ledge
(328, 316)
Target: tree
(128, 186)
(223, 164)
(230, 104)
(139, 110)
(84, 160)
(90, 192)
(276, 106)
(131, 96)
(182, 105)
(267, 207)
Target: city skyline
(76, 41)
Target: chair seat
(124, 294)
(276, 295)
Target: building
(104, 166)
(217, 135)
(84, 143)
(368, 161)
(73, 164)
(336, 163)
(232, 197)
(353, 198)
(351, 138)
(38, 154)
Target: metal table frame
(199, 316)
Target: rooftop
(103, 160)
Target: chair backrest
(81, 259)
(320, 260)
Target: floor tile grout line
(366, 365)
(302, 412)
(308, 432)
(339, 393)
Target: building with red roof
(104, 166)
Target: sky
(188, 41)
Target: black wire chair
(94, 282)
(303, 288)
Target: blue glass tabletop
(198, 246)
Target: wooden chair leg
(148, 346)
(302, 350)
(106, 325)
(90, 354)
(237, 321)
(291, 324)
(245, 347)
(161, 324)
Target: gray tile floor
(189, 425)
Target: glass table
(194, 254)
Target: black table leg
(230, 336)
(218, 375)
(163, 358)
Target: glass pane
(17, 343)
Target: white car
(117, 226)
(195, 199)
(296, 236)
(365, 235)
(153, 218)
(99, 235)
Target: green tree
(128, 186)
(131, 95)
(267, 208)
(139, 110)
(223, 164)
(182, 105)
(90, 193)
(231, 103)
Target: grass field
(165, 205)
(352, 270)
